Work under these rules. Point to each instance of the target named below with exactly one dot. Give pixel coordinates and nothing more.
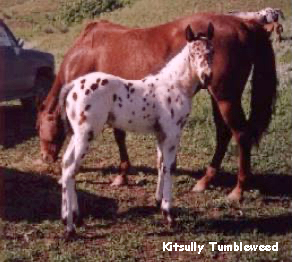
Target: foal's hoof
(158, 204)
(69, 235)
(119, 180)
(235, 196)
(169, 218)
(199, 187)
(77, 219)
(64, 221)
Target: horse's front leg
(223, 136)
(121, 179)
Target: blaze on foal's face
(51, 133)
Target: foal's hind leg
(234, 117)
(223, 136)
(75, 152)
(121, 179)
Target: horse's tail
(264, 83)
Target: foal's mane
(161, 66)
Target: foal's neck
(178, 70)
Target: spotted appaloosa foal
(159, 103)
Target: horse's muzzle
(206, 79)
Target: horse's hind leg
(121, 179)
(234, 117)
(223, 136)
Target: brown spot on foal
(87, 92)
(74, 96)
(104, 82)
(82, 118)
(87, 107)
(94, 86)
(172, 113)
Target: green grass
(121, 223)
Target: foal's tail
(264, 83)
(62, 102)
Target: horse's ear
(210, 31)
(189, 34)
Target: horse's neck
(177, 68)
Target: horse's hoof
(234, 196)
(69, 235)
(199, 187)
(77, 219)
(119, 180)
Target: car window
(4, 39)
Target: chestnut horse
(129, 53)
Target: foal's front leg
(159, 190)
(169, 149)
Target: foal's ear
(211, 30)
(189, 34)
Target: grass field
(121, 224)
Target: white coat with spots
(268, 16)
(265, 16)
(159, 103)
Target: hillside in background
(38, 21)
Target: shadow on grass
(16, 125)
(187, 222)
(268, 184)
(34, 197)
(272, 225)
